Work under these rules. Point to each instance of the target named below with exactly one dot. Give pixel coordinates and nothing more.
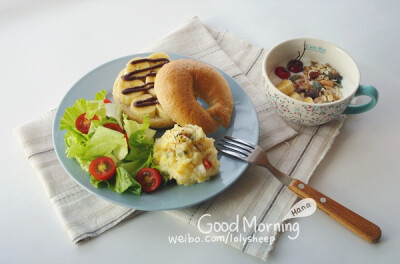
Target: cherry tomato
(107, 101)
(102, 168)
(207, 164)
(149, 179)
(113, 126)
(83, 124)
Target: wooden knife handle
(357, 224)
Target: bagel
(180, 82)
(146, 69)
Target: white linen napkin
(255, 195)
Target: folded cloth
(256, 195)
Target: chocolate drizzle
(149, 60)
(144, 87)
(130, 76)
(147, 102)
(140, 77)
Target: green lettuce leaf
(141, 141)
(133, 167)
(139, 149)
(124, 182)
(72, 138)
(98, 184)
(81, 106)
(120, 183)
(115, 111)
(67, 121)
(97, 123)
(97, 108)
(100, 95)
(105, 142)
(130, 126)
(84, 163)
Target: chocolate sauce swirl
(129, 76)
(140, 77)
(147, 102)
(149, 60)
(144, 87)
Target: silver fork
(253, 154)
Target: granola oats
(317, 83)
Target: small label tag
(302, 208)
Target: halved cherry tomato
(107, 101)
(102, 168)
(83, 124)
(149, 179)
(113, 126)
(207, 164)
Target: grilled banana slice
(137, 66)
(139, 74)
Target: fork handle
(354, 222)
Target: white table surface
(46, 46)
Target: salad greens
(101, 141)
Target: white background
(46, 46)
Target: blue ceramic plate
(244, 125)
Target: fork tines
(238, 148)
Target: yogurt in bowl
(314, 112)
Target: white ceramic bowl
(323, 52)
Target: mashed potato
(186, 155)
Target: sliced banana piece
(145, 110)
(152, 92)
(127, 98)
(150, 79)
(158, 55)
(137, 66)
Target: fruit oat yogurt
(315, 83)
